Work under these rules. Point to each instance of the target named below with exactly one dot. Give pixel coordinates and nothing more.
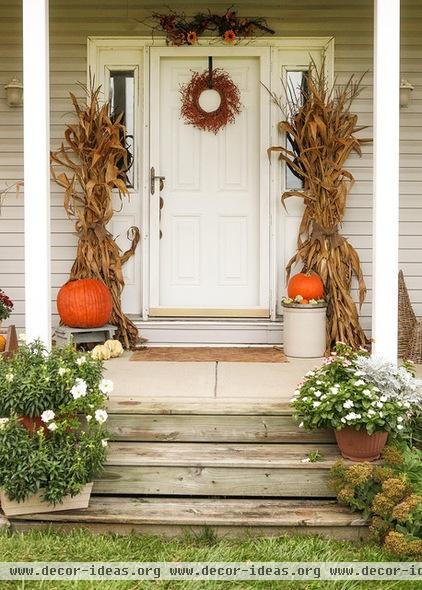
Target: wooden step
(170, 517)
(211, 428)
(129, 404)
(212, 469)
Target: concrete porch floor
(213, 383)
(205, 381)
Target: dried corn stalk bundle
(322, 133)
(95, 160)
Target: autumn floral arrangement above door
(183, 30)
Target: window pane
(295, 88)
(122, 100)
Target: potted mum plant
(52, 437)
(363, 398)
(6, 306)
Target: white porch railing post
(386, 177)
(36, 170)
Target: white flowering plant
(347, 391)
(52, 422)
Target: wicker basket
(410, 328)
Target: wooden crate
(35, 505)
(11, 341)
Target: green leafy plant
(389, 495)
(343, 392)
(52, 434)
(33, 381)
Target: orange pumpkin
(2, 343)
(308, 285)
(84, 303)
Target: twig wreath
(230, 105)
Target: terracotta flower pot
(358, 445)
(32, 424)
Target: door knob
(153, 177)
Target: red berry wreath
(229, 106)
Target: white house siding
(351, 24)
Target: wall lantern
(406, 90)
(14, 93)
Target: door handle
(152, 178)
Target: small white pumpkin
(100, 352)
(115, 347)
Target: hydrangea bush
(356, 390)
(389, 495)
(62, 396)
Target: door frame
(278, 217)
(263, 307)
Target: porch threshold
(209, 331)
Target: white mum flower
(301, 425)
(3, 422)
(359, 382)
(10, 377)
(62, 371)
(366, 392)
(48, 416)
(52, 426)
(399, 418)
(383, 398)
(348, 404)
(79, 389)
(318, 394)
(359, 373)
(310, 374)
(104, 443)
(379, 404)
(80, 360)
(406, 405)
(101, 416)
(88, 418)
(399, 426)
(304, 399)
(316, 404)
(106, 386)
(334, 389)
(381, 415)
(319, 382)
(343, 420)
(371, 412)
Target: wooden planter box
(34, 504)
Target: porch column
(386, 177)
(36, 170)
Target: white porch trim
(37, 170)
(386, 177)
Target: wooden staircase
(231, 467)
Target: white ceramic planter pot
(35, 505)
(304, 329)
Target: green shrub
(52, 434)
(389, 495)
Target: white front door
(209, 242)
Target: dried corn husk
(90, 165)
(322, 131)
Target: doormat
(210, 354)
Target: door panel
(214, 249)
